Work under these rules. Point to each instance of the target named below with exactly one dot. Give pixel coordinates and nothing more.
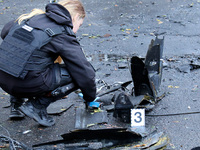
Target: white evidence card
(137, 117)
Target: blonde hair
(73, 6)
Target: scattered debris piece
(186, 68)
(122, 66)
(27, 131)
(86, 118)
(107, 35)
(114, 88)
(115, 138)
(154, 64)
(140, 77)
(143, 131)
(123, 104)
(59, 107)
(7, 142)
(195, 148)
(146, 78)
(151, 139)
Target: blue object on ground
(93, 104)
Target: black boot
(37, 112)
(15, 113)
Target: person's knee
(61, 76)
(65, 77)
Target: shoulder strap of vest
(52, 31)
(59, 30)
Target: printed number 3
(139, 118)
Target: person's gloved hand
(92, 104)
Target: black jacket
(64, 45)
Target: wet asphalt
(112, 32)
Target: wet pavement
(112, 33)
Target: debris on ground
(11, 144)
(186, 68)
(86, 118)
(115, 138)
(59, 107)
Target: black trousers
(62, 85)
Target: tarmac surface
(112, 33)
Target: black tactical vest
(20, 43)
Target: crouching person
(30, 46)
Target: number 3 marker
(137, 117)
